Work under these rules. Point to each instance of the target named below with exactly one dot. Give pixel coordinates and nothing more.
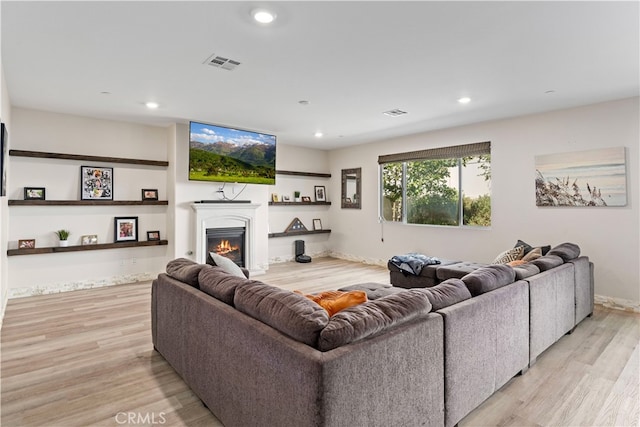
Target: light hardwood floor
(85, 358)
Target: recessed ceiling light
(464, 100)
(304, 102)
(152, 105)
(318, 134)
(263, 16)
(395, 112)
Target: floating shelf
(297, 203)
(298, 233)
(311, 174)
(87, 203)
(45, 155)
(76, 248)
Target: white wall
(5, 116)
(609, 236)
(62, 133)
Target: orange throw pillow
(334, 301)
(516, 262)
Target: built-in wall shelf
(310, 174)
(298, 203)
(77, 248)
(298, 233)
(88, 202)
(45, 155)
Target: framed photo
(149, 194)
(125, 229)
(286, 198)
(317, 224)
(274, 198)
(320, 192)
(34, 193)
(306, 198)
(96, 183)
(153, 235)
(89, 239)
(26, 244)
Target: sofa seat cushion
(447, 293)
(373, 290)
(486, 279)
(218, 283)
(368, 319)
(457, 270)
(334, 301)
(290, 313)
(185, 270)
(547, 262)
(566, 251)
(525, 270)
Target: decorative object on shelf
(153, 235)
(4, 143)
(274, 198)
(351, 184)
(63, 235)
(96, 183)
(317, 224)
(89, 239)
(125, 229)
(296, 196)
(296, 225)
(583, 178)
(306, 199)
(26, 244)
(320, 193)
(149, 194)
(286, 198)
(34, 193)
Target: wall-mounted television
(224, 154)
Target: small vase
(64, 243)
(297, 199)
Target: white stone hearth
(227, 215)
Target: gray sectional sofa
(260, 355)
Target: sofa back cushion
(292, 314)
(220, 284)
(185, 270)
(447, 293)
(488, 278)
(525, 270)
(566, 251)
(364, 320)
(547, 262)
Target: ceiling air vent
(395, 113)
(221, 62)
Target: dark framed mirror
(351, 188)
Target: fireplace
(228, 242)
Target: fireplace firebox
(228, 242)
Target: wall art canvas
(96, 183)
(582, 178)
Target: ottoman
(457, 271)
(373, 290)
(425, 279)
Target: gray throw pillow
(447, 293)
(566, 251)
(488, 278)
(364, 320)
(227, 265)
(185, 270)
(219, 284)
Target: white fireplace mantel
(224, 215)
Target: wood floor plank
(84, 358)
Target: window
(441, 186)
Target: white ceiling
(351, 60)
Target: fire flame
(224, 247)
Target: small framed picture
(89, 239)
(306, 199)
(26, 244)
(125, 229)
(149, 194)
(96, 183)
(153, 235)
(286, 198)
(275, 198)
(34, 193)
(320, 192)
(317, 224)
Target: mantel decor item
(89, 239)
(153, 235)
(63, 235)
(306, 199)
(125, 229)
(149, 194)
(26, 244)
(96, 183)
(320, 193)
(317, 224)
(34, 193)
(296, 225)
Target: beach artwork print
(583, 178)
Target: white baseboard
(617, 303)
(354, 258)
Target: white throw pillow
(227, 265)
(509, 255)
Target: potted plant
(296, 196)
(63, 235)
